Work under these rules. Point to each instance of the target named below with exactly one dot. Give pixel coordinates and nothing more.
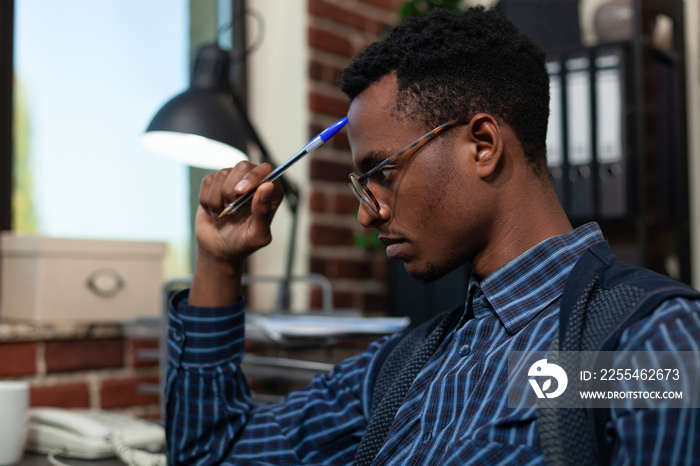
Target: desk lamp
(203, 125)
(206, 126)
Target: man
(472, 93)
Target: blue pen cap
(329, 132)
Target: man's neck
(528, 221)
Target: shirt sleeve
(658, 434)
(210, 418)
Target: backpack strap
(393, 357)
(601, 298)
(394, 373)
(557, 429)
(599, 261)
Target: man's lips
(388, 240)
(393, 245)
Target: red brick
(67, 395)
(379, 267)
(322, 9)
(17, 359)
(324, 73)
(346, 204)
(330, 42)
(374, 303)
(341, 300)
(250, 346)
(350, 268)
(79, 355)
(377, 28)
(391, 5)
(328, 105)
(319, 266)
(332, 74)
(123, 393)
(315, 299)
(369, 23)
(331, 235)
(325, 170)
(142, 361)
(342, 268)
(316, 70)
(317, 202)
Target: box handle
(105, 283)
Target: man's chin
(427, 274)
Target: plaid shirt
(456, 411)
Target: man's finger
(263, 207)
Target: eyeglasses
(359, 183)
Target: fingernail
(242, 185)
(266, 194)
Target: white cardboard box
(47, 279)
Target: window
(88, 78)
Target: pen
(322, 137)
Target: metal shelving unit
(640, 194)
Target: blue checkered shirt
(455, 413)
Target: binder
(581, 200)
(612, 169)
(555, 129)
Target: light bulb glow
(192, 149)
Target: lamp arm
(291, 190)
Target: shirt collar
(522, 288)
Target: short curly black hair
(454, 65)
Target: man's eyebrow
(371, 159)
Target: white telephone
(92, 434)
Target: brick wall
(339, 29)
(84, 372)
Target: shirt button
(177, 336)
(465, 350)
(427, 437)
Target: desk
(34, 459)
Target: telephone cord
(133, 457)
(126, 454)
(51, 456)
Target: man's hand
(225, 242)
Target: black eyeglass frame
(358, 183)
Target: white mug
(14, 405)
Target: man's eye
(384, 173)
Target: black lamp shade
(201, 126)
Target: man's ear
(485, 133)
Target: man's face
(427, 216)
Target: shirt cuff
(205, 336)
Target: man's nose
(369, 218)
